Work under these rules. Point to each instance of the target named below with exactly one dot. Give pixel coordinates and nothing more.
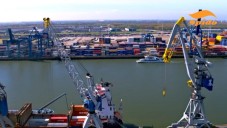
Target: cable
(66, 100)
(164, 86)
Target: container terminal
(36, 44)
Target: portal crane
(4, 109)
(98, 104)
(197, 71)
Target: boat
(150, 59)
(26, 117)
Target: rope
(164, 86)
(67, 104)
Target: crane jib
(198, 73)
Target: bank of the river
(94, 57)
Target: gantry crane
(197, 71)
(97, 99)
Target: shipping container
(97, 51)
(77, 121)
(128, 48)
(158, 39)
(212, 35)
(106, 52)
(129, 40)
(113, 50)
(211, 43)
(58, 119)
(105, 40)
(160, 44)
(139, 40)
(136, 46)
(128, 45)
(121, 44)
(106, 45)
(136, 51)
(211, 39)
(112, 47)
(224, 42)
(153, 40)
(37, 122)
(120, 48)
(121, 52)
(62, 125)
(129, 52)
(219, 38)
(3, 47)
(97, 46)
(115, 44)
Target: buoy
(163, 92)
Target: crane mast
(197, 71)
(86, 93)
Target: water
(139, 85)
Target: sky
(35, 10)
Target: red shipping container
(79, 108)
(76, 123)
(58, 119)
(211, 39)
(80, 113)
(77, 120)
(136, 50)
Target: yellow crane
(197, 71)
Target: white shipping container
(57, 125)
(153, 40)
(129, 40)
(38, 122)
(142, 40)
(153, 51)
(136, 46)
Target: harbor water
(139, 85)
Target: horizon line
(103, 20)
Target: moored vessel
(150, 59)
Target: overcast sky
(35, 10)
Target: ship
(26, 117)
(150, 59)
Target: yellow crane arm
(169, 48)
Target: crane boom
(70, 67)
(169, 48)
(197, 71)
(86, 93)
